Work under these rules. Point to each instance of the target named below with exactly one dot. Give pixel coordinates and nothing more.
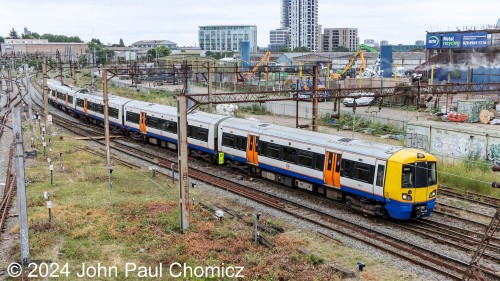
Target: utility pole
(183, 151)
(106, 114)
(45, 92)
(30, 111)
(209, 78)
(315, 100)
(21, 188)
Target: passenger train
(378, 179)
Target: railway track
(451, 267)
(8, 192)
(470, 196)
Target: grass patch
(254, 109)
(347, 119)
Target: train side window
(132, 117)
(346, 169)
(70, 99)
(362, 172)
(79, 102)
(319, 162)
(273, 151)
(113, 112)
(203, 134)
(305, 159)
(227, 140)
(262, 148)
(243, 144)
(171, 127)
(408, 176)
(289, 154)
(152, 122)
(380, 175)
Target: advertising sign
(433, 41)
(451, 41)
(475, 40)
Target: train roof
(117, 100)
(383, 151)
(172, 111)
(55, 84)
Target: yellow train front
(411, 184)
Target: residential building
(285, 13)
(227, 38)
(279, 38)
(345, 37)
(384, 43)
(407, 48)
(303, 20)
(67, 51)
(371, 43)
(151, 44)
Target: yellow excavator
(249, 75)
(340, 74)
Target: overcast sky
(398, 21)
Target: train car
(374, 178)
(62, 96)
(157, 124)
(90, 106)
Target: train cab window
(132, 117)
(408, 176)
(79, 102)
(380, 175)
(305, 159)
(273, 151)
(289, 154)
(431, 173)
(425, 174)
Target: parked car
(360, 101)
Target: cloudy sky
(398, 21)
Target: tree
(283, 49)
(2, 39)
(97, 41)
(161, 51)
(301, 49)
(340, 49)
(121, 43)
(13, 34)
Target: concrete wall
(455, 140)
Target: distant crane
(340, 74)
(265, 58)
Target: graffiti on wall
(494, 154)
(457, 145)
(417, 141)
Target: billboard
(474, 40)
(451, 41)
(433, 41)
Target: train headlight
(433, 194)
(406, 197)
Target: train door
(378, 186)
(142, 122)
(85, 106)
(252, 150)
(332, 169)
